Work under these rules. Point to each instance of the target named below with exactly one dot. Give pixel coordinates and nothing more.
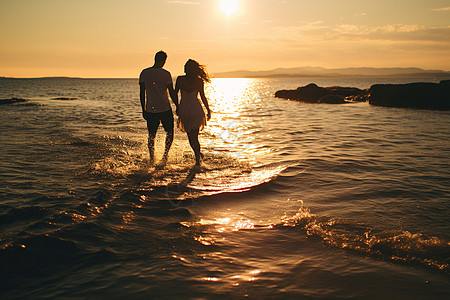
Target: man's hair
(160, 57)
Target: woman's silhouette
(190, 111)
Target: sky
(118, 38)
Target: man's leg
(152, 126)
(151, 147)
(169, 140)
(167, 122)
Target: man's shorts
(153, 120)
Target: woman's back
(190, 84)
(190, 110)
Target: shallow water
(293, 200)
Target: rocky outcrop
(421, 95)
(332, 99)
(312, 93)
(64, 98)
(12, 100)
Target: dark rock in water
(332, 99)
(312, 93)
(12, 100)
(64, 98)
(421, 95)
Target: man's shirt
(155, 81)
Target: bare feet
(151, 162)
(197, 167)
(161, 164)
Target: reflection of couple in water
(156, 85)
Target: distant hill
(343, 72)
(50, 77)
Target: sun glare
(229, 7)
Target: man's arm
(142, 97)
(173, 94)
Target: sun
(229, 7)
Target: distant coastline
(318, 72)
(65, 77)
(304, 72)
(44, 77)
(418, 75)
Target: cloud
(184, 2)
(442, 9)
(393, 32)
(319, 31)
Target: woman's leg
(195, 144)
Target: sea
(292, 201)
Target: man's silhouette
(155, 85)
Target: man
(155, 84)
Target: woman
(191, 118)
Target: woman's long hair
(194, 69)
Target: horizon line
(400, 75)
(425, 71)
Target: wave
(126, 162)
(396, 246)
(240, 183)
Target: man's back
(156, 81)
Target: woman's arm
(204, 100)
(173, 94)
(177, 89)
(177, 85)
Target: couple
(155, 87)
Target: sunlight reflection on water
(231, 127)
